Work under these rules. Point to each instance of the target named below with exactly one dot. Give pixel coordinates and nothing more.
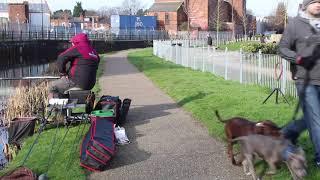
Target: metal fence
(248, 68)
(105, 36)
(26, 32)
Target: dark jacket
(296, 42)
(84, 61)
(209, 40)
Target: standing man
(302, 51)
(77, 66)
(209, 40)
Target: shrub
(269, 48)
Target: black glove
(307, 62)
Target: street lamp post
(42, 18)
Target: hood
(81, 37)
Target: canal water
(7, 87)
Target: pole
(42, 18)
(31, 77)
(233, 24)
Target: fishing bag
(98, 145)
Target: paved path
(167, 143)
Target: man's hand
(62, 74)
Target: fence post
(176, 60)
(202, 55)
(284, 76)
(241, 66)
(212, 60)
(226, 64)
(259, 67)
(188, 58)
(194, 58)
(171, 52)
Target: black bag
(110, 102)
(98, 145)
(21, 128)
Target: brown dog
(237, 126)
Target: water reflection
(7, 87)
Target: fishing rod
(29, 78)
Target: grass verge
(65, 162)
(202, 93)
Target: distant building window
(166, 21)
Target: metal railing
(104, 36)
(248, 68)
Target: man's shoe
(317, 162)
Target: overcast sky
(259, 7)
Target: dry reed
(26, 101)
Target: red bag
(21, 173)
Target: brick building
(84, 22)
(19, 12)
(202, 14)
(169, 13)
(35, 12)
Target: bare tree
(278, 20)
(245, 23)
(132, 6)
(218, 15)
(186, 9)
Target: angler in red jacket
(77, 65)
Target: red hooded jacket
(84, 61)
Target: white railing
(248, 68)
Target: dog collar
(287, 151)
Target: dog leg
(245, 167)
(231, 155)
(249, 159)
(230, 152)
(294, 176)
(272, 168)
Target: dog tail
(241, 138)
(219, 117)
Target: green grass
(234, 46)
(64, 163)
(69, 151)
(202, 93)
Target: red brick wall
(172, 25)
(18, 12)
(199, 14)
(240, 6)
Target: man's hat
(306, 3)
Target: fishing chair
(77, 104)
